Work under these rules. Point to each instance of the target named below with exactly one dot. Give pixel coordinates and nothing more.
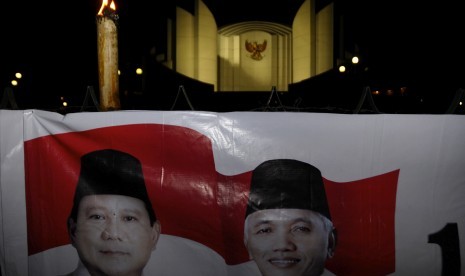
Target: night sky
(54, 42)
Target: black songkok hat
(111, 172)
(287, 184)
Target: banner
(391, 192)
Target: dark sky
(54, 42)
(397, 32)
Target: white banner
(394, 186)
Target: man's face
(287, 242)
(113, 235)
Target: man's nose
(111, 230)
(284, 242)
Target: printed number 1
(448, 239)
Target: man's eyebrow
(95, 208)
(261, 222)
(136, 211)
(304, 220)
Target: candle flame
(105, 4)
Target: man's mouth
(113, 252)
(284, 262)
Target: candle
(107, 46)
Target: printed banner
(241, 193)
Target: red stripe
(193, 201)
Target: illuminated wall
(243, 68)
(221, 56)
(324, 39)
(313, 41)
(185, 43)
(196, 44)
(207, 69)
(302, 30)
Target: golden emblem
(255, 49)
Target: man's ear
(156, 232)
(72, 230)
(245, 243)
(332, 240)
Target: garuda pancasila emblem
(255, 48)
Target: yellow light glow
(139, 71)
(14, 82)
(342, 68)
(105, 4)
(18, 75)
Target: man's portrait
(112, 223)
(288, 229)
